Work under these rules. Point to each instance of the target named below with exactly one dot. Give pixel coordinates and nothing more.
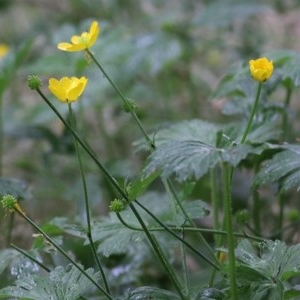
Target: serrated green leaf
(284, 166)
(6, 257)
(193, 159)
(146, 292)
(186, 159)
(272, 259)
(114, 237)
(61, 283)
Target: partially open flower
(82, 42)
(261, 69)
(67, 89)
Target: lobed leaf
(61, 283)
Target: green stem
(248, 127)
(147, 138)
(64, 253)
(228, 224)
(124, 99)
(30, 257)
(1, 134)
(285, 114)
(118, 188)
(216, 266)
(86, 202)
(157, 249)
(187, 217)
(35, 261)
(216, 223)
(190, 229)
(256, 208)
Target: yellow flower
(3, 50)
(85, 41)
(67, 89)
(261, 69)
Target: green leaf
(284, 166)
(272, 259)
(114, 237)
(146, 292)
(287, 64)
(187, 159)
(193, 159)
(61, 283)
(195, 209)
(6, 257)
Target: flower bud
(117, 205)
(34, 82)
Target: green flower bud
(34, 82)
(117, 205)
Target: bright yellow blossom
(3, 50)
(67, 89)
(261, 69)
(85, 41)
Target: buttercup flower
(3, 50)
(85, 41)
(67, 89)
(261, 69)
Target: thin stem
(35, 261)
(229, 229)
(64, 253)
(1, 134)
(119, 189)
(256, 208)
(216, 223)
(157, 249)
(150, 143)
(187, 217)
(86, 202)
(248, 127)
(31, 257)
(122, 96)
(190, 229)
(285, 114)
(215, 265)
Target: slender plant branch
(124, 99)
(191, 229)
(26, 254)
(150, 237)
(215, 265)
(86, 202)
(63, 252)
(150, 143)
(248, 127)
(229, 229)
(40, 264)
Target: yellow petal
(261, 69)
